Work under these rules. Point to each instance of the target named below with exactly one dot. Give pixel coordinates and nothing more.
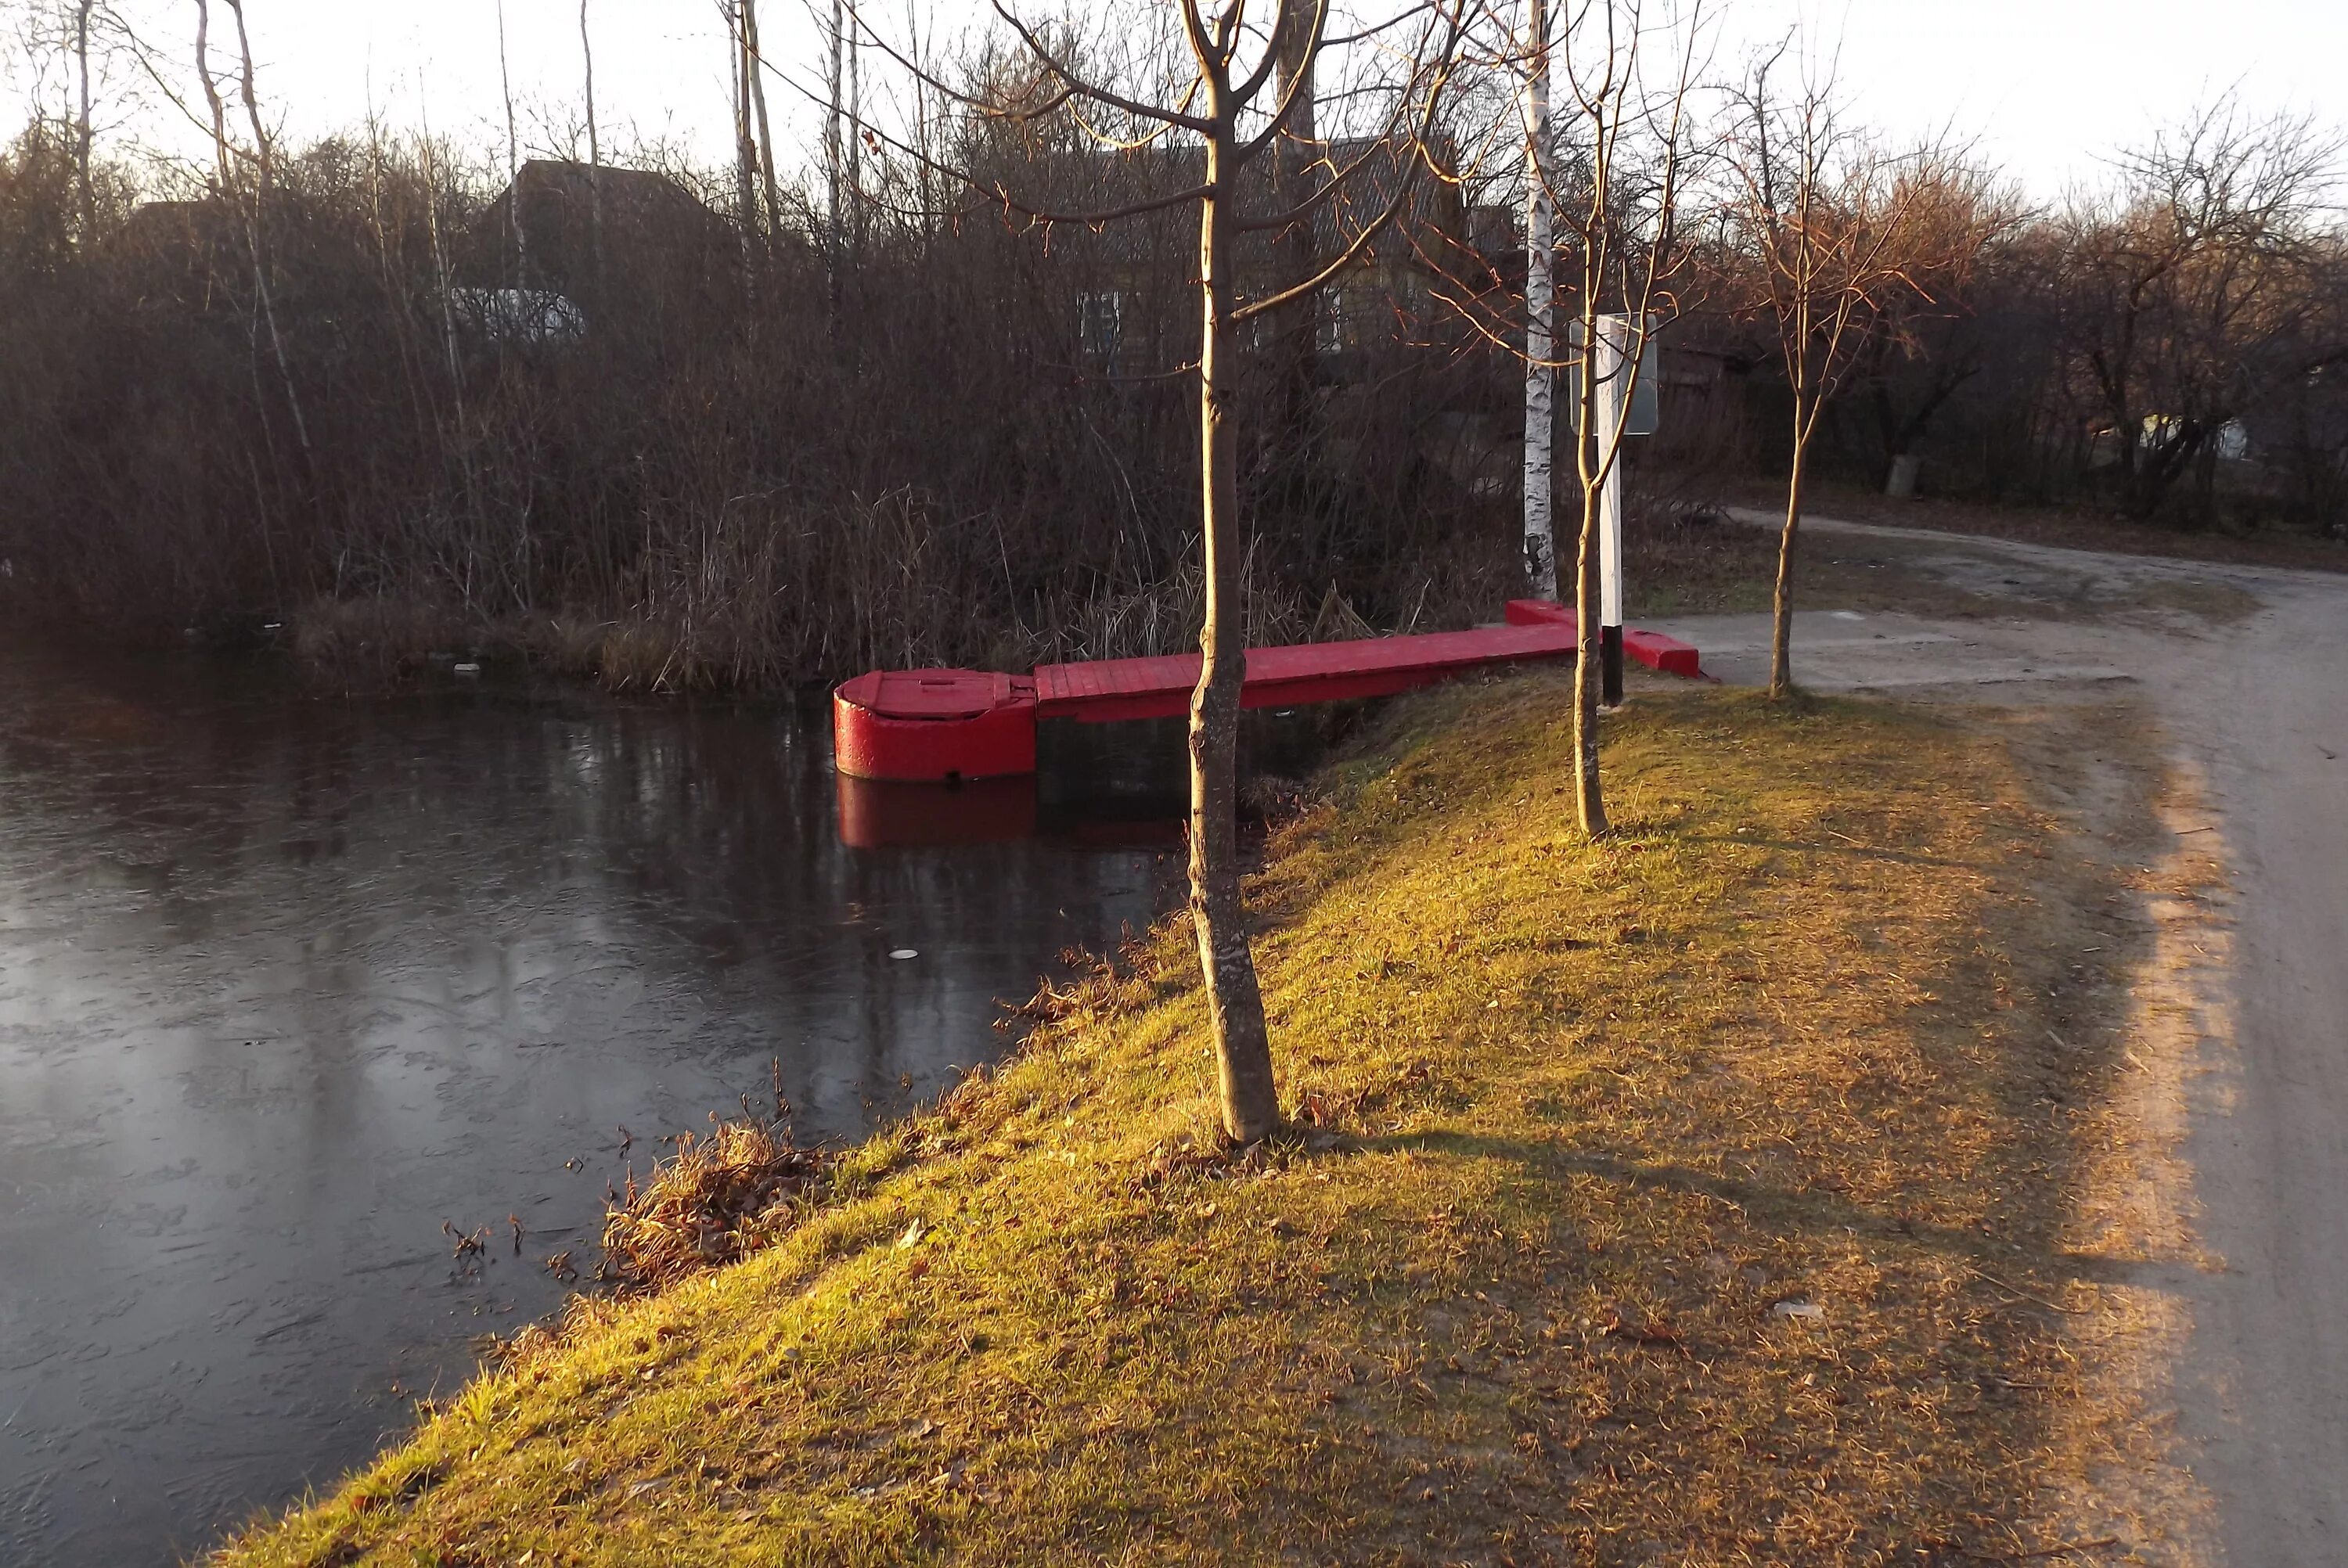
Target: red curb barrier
(1653, 649)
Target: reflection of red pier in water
(884, 813)
(938, 724)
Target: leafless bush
(721, 482)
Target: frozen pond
(287, 982)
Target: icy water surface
(289, 982)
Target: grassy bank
(1692, 1197)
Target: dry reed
(718, 1199)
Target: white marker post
(1626, 404)
(1613, 366)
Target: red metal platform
(1289, 677)
(935, 724)
(944, 725)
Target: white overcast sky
(2044, 87)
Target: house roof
(561, 223)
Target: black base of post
(1609, 665)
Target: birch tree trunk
(765, 132)
(1251, 1103)
(1540, 336)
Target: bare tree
(1633, 131)
(2202, 288)
(1930, 339)
(250, 198)
(1825, 218)
(1604, 141)
(1617, 197)
(754, 140)
(1237, 90)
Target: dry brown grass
(1674, 566)
(715, 1200)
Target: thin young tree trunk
(594, 149)
(513, 159)
(1593, 449)
(264, 163)
(1589, 662)
(1588, 673)
(855, 141)
(255, 213)
(82, 133)
(431, 167)
(1540, 336)
(1234, 999)
(1781, 617)
(832, 156)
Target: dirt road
(2247, 669)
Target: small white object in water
(468, 670)
(905, 953)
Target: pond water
(289, 983)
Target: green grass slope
(1690, 1197)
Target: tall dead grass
(718, 1199)
(723, 484)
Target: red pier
(942, 724)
